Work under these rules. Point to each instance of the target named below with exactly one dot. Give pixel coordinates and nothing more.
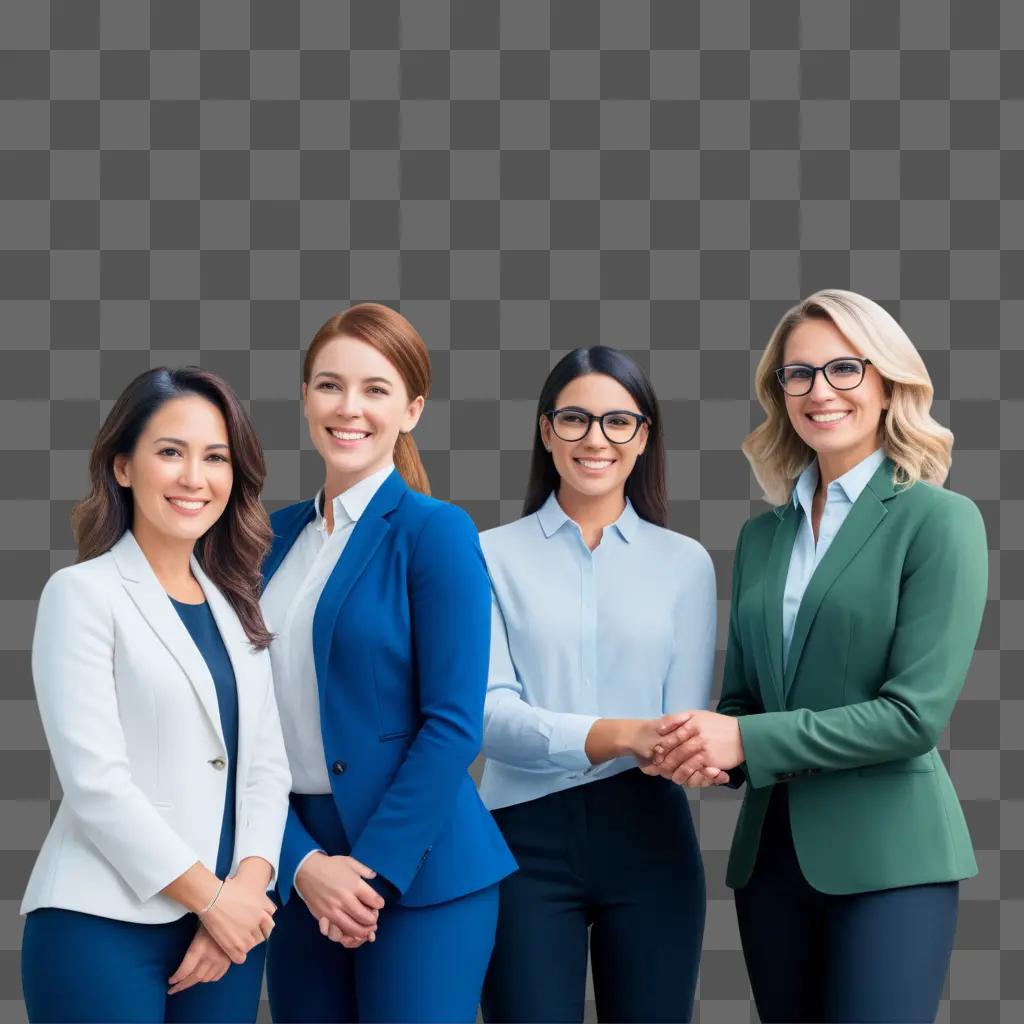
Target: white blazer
(130, 713)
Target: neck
(336, 483)
(168, 557)
(832, 465)
(592, 513)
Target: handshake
(692, 748)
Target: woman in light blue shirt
(603, 631)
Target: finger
(334, 933)
(721, 779)
(684, 771)
(187, 982)
(347, 924)
(369, 896)
(673, 721)
(187, 965)
(363, 869)
(269, 907)
(357, 910)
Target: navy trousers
(80, 967)
(815, 958)
(427, 963)
(618, 857)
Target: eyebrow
(368, 380)
(184, 444)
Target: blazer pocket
(394, 712)
(921, 763)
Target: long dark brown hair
(645, 485)
(231, 551)
(400, 343)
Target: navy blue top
(201, 625)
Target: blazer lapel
(243, 662)
(862, 521)
(774, 588)
(155, 606)
(367, 534)
(303, 514)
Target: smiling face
(841, 426)
(593, 466)
(180, 471)
(356, 404)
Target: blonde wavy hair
(920, 447)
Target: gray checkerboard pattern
(186, 182)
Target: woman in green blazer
(856, 604)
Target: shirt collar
(553, 517)
(351, 504)
(852, 482)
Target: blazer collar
(155, 606)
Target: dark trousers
(618, 855)
(814, 957)
(427, 963)
(80, 967)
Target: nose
(349, 403)
(593, 438)
(192, 473)
(820, 387)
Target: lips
(594, 465)
(833, 418)
(347, 438)
(187, 506)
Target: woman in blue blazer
(149, 898)
(380, 601)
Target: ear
(120, 466)
(413, 414)
(645, 434)
(545, 432)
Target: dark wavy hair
(645, 485)
(231, 551)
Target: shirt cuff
(567, 742)
(295, 877)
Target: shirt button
(339, 767)
(219, 763)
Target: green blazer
(880, 650)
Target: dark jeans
(618, 855)
(814, 957)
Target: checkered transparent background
(206, 183)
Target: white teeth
(348, 435)
(189, 506)
(594, 463)
(829, 417)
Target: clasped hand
(695, 748)
(338, 896)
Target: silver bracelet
(209, 906)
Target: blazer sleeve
(266, 791)
(737, 698)
(942, 598)
(449, 595)
(522, 734)
(73, 672)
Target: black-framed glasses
(843, 374)
(573, 423)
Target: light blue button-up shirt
(624, 631)
(839, 499)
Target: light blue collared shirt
(624, 631)
(839, 499)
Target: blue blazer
(401, 643)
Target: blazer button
(339, 767)
(219, 763)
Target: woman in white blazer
(154, 687)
